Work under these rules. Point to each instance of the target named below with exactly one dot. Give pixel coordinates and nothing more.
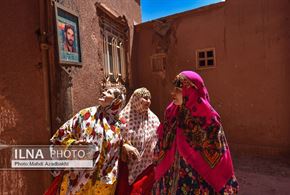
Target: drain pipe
(45, 61)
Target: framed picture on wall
(68, 38)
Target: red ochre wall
(23, 95)
(22, 105)
(249, 86)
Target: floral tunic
(98, 127)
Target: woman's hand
(130, 153)
(81, 142)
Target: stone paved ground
(258, 176)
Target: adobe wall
(249, 86)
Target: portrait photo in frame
(68, 38)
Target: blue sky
(152, 9)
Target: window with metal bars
(205, 58)
(114, 52)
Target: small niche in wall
(158, 62)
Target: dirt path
(259, 176)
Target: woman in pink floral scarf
(192, 154)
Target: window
(205, 58)
(114, 53)
(115, 35)
(158, 62)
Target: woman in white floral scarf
(140, 132)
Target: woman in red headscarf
(192, 154)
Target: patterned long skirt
(181, 178)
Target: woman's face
(176, 94)
(145, 102)
(107, 98)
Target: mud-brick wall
(22, 107)
(249, 86)
(23, 90)
(87, 79)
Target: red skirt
(53, 188)
(142, 185)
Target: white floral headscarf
(140, 131)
